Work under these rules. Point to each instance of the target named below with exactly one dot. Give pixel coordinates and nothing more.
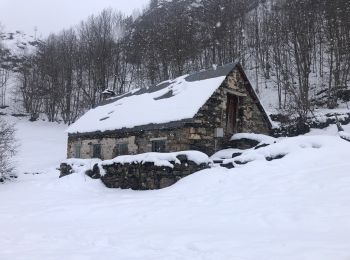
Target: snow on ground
(293, 208)
(42, 145)
(284, 147)
(344, 135)
(226, 153)
(330, 130)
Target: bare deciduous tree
(288, 43)
(7, 150)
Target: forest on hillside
(302, 46)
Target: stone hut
(200, 112)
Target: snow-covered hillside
(292, 208)
(15, 46)
(19, 43)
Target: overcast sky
(54, 15)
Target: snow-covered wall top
(169, 101)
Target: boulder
(65, 169)
(94, 173)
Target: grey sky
(54, 15)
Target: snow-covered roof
(169, 101)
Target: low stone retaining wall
(137, 175)
(147, 176)
(290, 127)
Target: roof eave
(142, 128)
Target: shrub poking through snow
(7, 150)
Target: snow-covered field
(42, 145)
(293, 208)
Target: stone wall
(136, 176)
(108, 145)
(213, 115)
(250, 118)
(147, 176)
(138, 142)
(175, 139)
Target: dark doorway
(232, 108)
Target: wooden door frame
(233, 128)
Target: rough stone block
(195, 137)
(65, 169)
(166, 182)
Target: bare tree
(4, 71)
(4, 77)
(7, 150)
(284, 42)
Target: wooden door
(231, 116)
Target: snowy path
(293, 208)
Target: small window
(77, 151)
(96, 151)
(158, 146)
(121, 149)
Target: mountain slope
(19, 43)
(16, 46)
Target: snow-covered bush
(7, 150)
